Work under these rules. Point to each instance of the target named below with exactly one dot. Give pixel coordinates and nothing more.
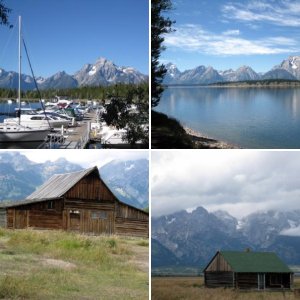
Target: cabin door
(261, 281)
(21, 219)
(74, 220)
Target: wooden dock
(77, 137)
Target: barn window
(95, 215)
(51, 205)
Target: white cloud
(194, 38)
(231, 32)
(295, 231)
(279, 13)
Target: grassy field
(61, 265)
(192, 288)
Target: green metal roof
(257, 262)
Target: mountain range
(289, 69)
(103, 72)
(19, 177)
(192, 238)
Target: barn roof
(258, 262)
(59, 184)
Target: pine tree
(4, 12)
(160, 25)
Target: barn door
(74, 220)
(21, 219)
(101, 222)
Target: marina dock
(76, 137)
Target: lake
(247, 117)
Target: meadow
(172, 288)
(62, 265)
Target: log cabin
(248, 270)
(78, 201)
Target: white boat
(39, 121)
(16, 132)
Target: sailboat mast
(19, 90)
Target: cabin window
(51, 205)
(95, 215)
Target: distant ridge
(289, 69)
(103, 72)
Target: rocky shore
(201, 141)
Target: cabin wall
(246, 280)
(3, 218)
(218, 279)
(90, 188)
(219, 264)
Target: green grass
(61, 265)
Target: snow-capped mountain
(105, 72)
(289, 69)
(194, 237)
(60, 80)
(102, 72)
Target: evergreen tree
(4, 12)
(160, 25)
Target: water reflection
(252, 118)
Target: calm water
(250, 118)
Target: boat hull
(7, 136)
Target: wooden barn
(78, 201)
(247, 270)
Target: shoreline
(202, 141)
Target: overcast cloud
(240, 182)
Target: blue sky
(229, 34)
(66, 34)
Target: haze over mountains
(19, 177)
(103, 72)
(192, 238)
(289, 69)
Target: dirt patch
(58, 263)
(141, 258)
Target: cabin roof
(255, 262)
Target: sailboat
(16, 132)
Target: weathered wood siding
(36, 215)
(132, 227)
(131, 221)
(246, 280)
(3, 218)
(90, 188)
(219, 264)
(218, 279)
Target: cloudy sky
(86, 158)
(228, 34)
(240, 182)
